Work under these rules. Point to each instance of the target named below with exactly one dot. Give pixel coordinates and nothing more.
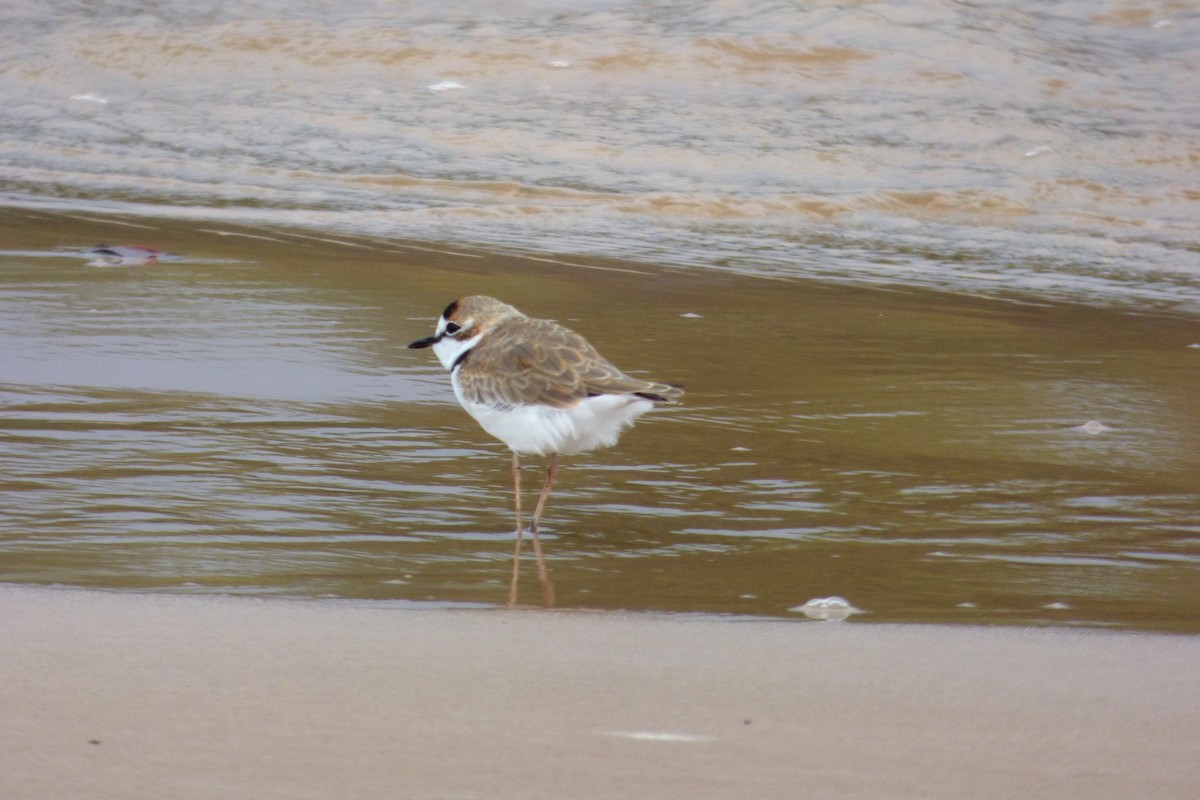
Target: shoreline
(140, 696)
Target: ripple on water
(948, 145)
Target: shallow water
(246, 419)
(929, 273)
(1045, 150)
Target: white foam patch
(829, 609)
(658, 736)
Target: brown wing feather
(532, 361)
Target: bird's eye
(452, 328)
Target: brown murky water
(928, 270)
(245, 418)
(999, 147)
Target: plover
(539, 388)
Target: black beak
(423, 343)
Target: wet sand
(111, 695)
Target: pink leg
(543, 573)
(516, 567)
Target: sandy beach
(109, 695)
(927, 272)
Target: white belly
(541, 430)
